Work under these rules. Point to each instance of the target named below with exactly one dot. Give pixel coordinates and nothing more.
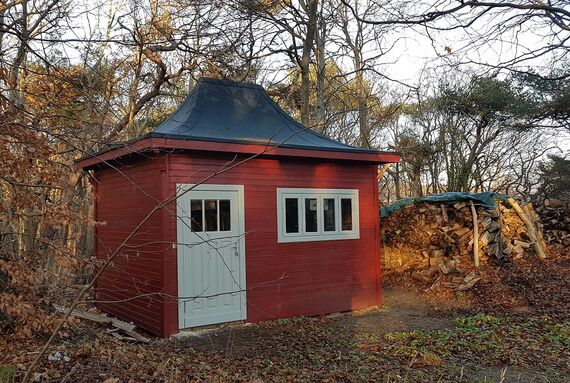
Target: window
(210, 215)
(317, 214)
(328, 214)
(292, 215)
(311, 215)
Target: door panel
(211, 255)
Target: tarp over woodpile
(486, 199)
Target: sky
(413, 55)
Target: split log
(553, 202)
(531, 229)
(475, 235)
(444, 213)
(467, 285)
(434, 284)
(536, 222)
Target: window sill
(318, 238)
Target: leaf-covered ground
(407, 341)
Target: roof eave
(148, 143)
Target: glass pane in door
(196, 215)
(211, 214)
(225, 215)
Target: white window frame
(320, 235)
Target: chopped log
(536, 222)
(444, 212)
(443, 268)
(469, 277)
(523, 244)
(435, 261)
(494, 250)
(435, 283)
(457, 280)
(531, 229)
(420, 277)
(493, 227)
(485, 238)
(518, 249)
(461, 232)
(475, 235)
(553, 202)
(467, 285)
(438, 253)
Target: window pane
(346, 213)
(329, 214)
(211, 209)
(225, 217)
(311, 215)
(196, 215)
(291, 215)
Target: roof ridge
(225, 82)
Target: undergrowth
(488, 340)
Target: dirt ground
(412, 338)
(403, 310)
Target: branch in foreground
(161, 205)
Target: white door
(211, 254)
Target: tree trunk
(320, 56)
(305, 62)
(397, 181)
(363, 124)
(14, 73)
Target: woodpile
(440, 244)
(555, 218)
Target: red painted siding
(319, 277)
(123, 200)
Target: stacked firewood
(438, 243)
(555, 218)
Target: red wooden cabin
(283, 222)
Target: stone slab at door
(211, 254)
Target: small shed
(268, 219)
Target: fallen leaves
(341, 349)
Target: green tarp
(486, 199)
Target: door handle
(236, 253)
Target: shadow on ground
(403, 310)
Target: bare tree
(508, 26)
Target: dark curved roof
(221, 116)
(227, 111)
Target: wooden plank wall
(123, 199)
(318, 277)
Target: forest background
(475, 95)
